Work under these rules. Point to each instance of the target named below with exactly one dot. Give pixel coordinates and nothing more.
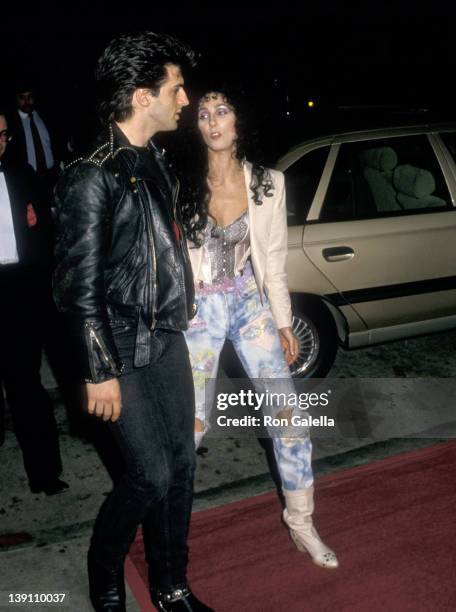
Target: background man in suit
(25, 259)
(33, 141)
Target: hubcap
(309, 345)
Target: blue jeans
(155, 436)
(233, 310)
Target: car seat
(377, 167)
(415, 187)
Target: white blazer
(268, 247)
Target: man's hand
(104, 399)
(290, 344)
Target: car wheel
(317, 335)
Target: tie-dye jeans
(233, 310)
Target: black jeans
(155, 436)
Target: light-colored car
(372, 239)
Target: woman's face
(217, 122)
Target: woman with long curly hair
(235, 220)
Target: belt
(142, 340)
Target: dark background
(363, 63)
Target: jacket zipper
(183, 241)
(93, 338)
(153, 284)
(175, 197)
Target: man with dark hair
(25, 287)
(124, 282)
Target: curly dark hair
(195, 193)
(132, 61)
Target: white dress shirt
(44, 135)
(8, 246)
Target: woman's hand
(290, 344)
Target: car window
(385, 177)
(449, 138)
(301, 182)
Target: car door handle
(338, 253)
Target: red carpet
(392, 523)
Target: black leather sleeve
(85, 197)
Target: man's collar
(122, 141)
(26, 115)
(119, 137)
(142, 168)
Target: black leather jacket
(118, 232)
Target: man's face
(25, 101)
(3, 135)
(165, 109)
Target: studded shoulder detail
(101, 154)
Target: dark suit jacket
(17, 148)
(32, 221)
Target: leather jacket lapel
(156, 169)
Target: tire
(316, 331)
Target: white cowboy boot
(298, 517)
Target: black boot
(179, 600)
(106, 587)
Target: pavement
(43, 540)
